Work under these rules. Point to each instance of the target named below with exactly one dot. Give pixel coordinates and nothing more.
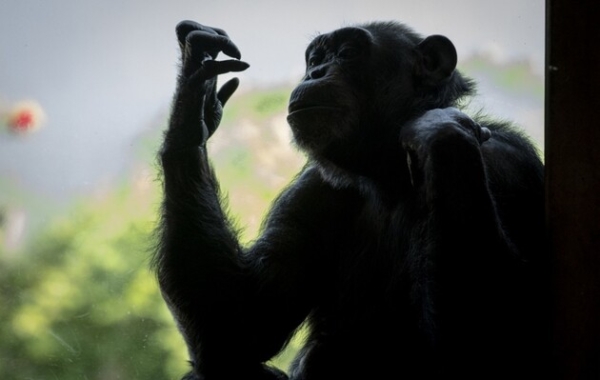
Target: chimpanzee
(411, 243)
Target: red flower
(22, 120)
(25, 117)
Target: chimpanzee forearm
(196, 235)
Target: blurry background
(85, 88)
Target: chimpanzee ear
(438, 59)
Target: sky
(104, 71)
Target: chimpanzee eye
(314, 59)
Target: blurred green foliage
(81, 303)
(516, 77)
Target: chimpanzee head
(363, 83)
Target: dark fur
(410, 243)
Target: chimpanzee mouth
(301, 106)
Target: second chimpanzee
(411, 243)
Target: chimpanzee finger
(183, 29)
(227, 90)
(213, 68)
(186, 27)
(212, 44)
(484, 134)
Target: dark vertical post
(572, 149)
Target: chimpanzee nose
(318, 72)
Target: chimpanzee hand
(197, 98)
(439, 135)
